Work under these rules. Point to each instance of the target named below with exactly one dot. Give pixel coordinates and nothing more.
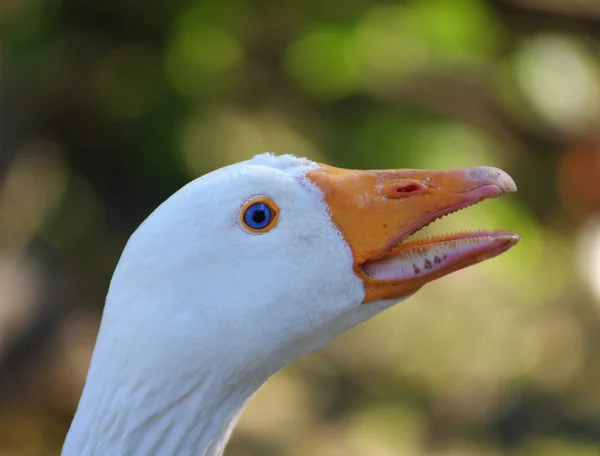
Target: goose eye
(259, 215)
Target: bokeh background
(109, 106)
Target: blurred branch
(579, 9)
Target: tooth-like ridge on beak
(404, 239)
(421, 259)
(439, 245)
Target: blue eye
(259, 215)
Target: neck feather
(188, 415)
(148, 393)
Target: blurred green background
(109, 106)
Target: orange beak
(377, 210)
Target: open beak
(376, 211)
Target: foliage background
(109, 106)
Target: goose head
(245, 270)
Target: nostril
(408, 188)
(402, 189)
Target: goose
(245, 270)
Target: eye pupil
(258, 216)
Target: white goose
(245, 270)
